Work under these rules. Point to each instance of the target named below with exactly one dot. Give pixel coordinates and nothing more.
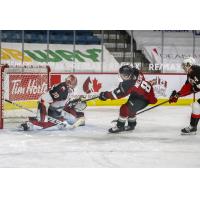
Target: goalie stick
(51, 119)
(79, 99)
(84, 100)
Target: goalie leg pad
(35, 122)
(43, 105)
(72, 116)
(42, 111)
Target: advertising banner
(24, 87)
(171, 59)
(61, 57)
(92, 84)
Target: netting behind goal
(21, 85)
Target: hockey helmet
(71, 81)
(127, 72)
(187, 63)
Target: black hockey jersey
(59, 92)
(194, 78)
(136, 89)
(192, 83)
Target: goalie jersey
(60, 92)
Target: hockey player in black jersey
(57, 104)
(141, 95)
(192, 85)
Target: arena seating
(150, 38)
(55, 36)
(176, 45)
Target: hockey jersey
(192, 83)
(59, 92)
(136, 89)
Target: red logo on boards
(91, 85)
(27, 87)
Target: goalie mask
(187, 63)
(127, 72)
(71, 81)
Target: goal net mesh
(22, 85)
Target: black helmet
(127, 72)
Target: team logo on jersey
(63, 88)
(91, 85)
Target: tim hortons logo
(91, 85)
(27, 87)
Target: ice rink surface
(156, 142)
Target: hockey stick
(84, 100)
(147, 109)
(152, 107)
(159, 105)
(51, 119)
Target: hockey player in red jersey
(57, 104)
(192, 85)
(141, 95)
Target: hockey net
(22, 85)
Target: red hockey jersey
(136, 89)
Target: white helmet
(187, 63)
(71, 81)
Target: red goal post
(23, 84)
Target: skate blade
(185, 134)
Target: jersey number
(146, 86)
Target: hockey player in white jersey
(57, 104)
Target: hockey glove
(102, 96)
(80, 106)
(174, 97)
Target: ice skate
(116, 129)
(119, 127)
(190, 130)
(131, 126)
(26, 126)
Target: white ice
(156, 142)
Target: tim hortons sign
(27, 87)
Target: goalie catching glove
(174, 97)
(78, 104)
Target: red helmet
(71, 81)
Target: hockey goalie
(57, 109)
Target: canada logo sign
(90, 86)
